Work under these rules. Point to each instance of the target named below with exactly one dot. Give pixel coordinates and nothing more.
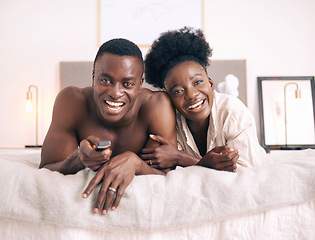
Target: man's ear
(141, 81)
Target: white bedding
(276, 201)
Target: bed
(274, 201)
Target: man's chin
(112, 119)
(114, 116)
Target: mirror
(286, 108)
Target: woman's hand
(89, 157)
(116, 176)
(220, 158)
(163, 156)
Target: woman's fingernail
(84, 195)
(104, 212)
(95, 210)
(152, 135)
(113, 208)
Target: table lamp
(297, 96)
(29, 108)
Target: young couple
(213, 130)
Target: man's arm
(60, 150)
(119, 172)
(115, 176)
(161, 116)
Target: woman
(213, 130)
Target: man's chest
(132, 137)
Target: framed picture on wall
(142, 21)
(287, 113)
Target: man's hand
(163, 156)
(116, 175)
(220, 158)
(89, 157)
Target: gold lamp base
(33, 146)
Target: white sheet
(292, 222)
(185, 199)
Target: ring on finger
(112, 189)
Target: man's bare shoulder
(72, 100)
(73, 92)
(158, 112)
(155, 103)
(152, 98)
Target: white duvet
(191, 201)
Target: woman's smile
(196, 106)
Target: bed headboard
(80, 74)
(76, 74)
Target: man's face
(117, 82)
(190, 90)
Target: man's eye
(105, 80)
(128, 84)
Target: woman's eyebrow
(194, 76)
(174, 86)
(191, 78)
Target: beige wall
(35, 36)
(274, 36)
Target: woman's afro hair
(172, 48)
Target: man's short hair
(121, 47)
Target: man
(115, 108)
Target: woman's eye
(177, 91)
(198, 82)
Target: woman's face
(190, 90)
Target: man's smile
(114, 106)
